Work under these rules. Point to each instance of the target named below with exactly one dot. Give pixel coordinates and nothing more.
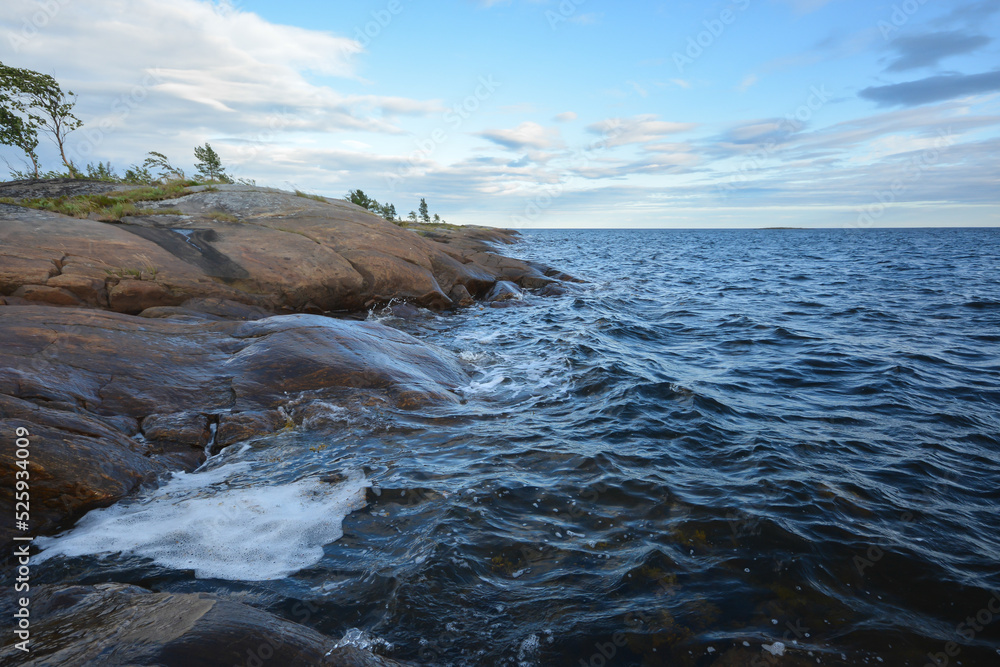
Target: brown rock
(460, 296)
(245, 425)
(179, 437)
(285, 253)
(78, 463)
(79, 378)
(119, 625)
(44, 294)
(88, 289)
(134, 296)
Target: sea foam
(196, 522)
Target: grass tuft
(306, 195)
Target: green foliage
(413, 216)
(159, 162)
(102, 171)
(110, 206)
(424, 215)
(387, 211)
(31, 102)
(209, 165)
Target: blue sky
(541, 113)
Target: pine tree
(209, 165)
(424, 215)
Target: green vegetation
(388, 211)
(110, 206)
(209, 165)
(30, 102)
(222, 217)
(299, 193)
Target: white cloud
(166, 76)
(636, 130)
(566, 117)
(525, 135)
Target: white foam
(196, 522)
(487, 385)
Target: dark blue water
(722, 440)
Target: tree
(359, 198)
(437, 218)
(389, 212)
(29, 102)
(209, 165)
(413, 216)
(423, 210)
(159, 161)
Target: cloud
(933, 89)
(971, 14)
(566, 117)
(928, 50)
(636, 130)
(526, 135)
(203, 65)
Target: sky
(549, 113)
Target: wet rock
(66, 371)
(118, 625)
(78, 463)
(403, 311)
(180, 437)
(245, 425)
(554, 289)
(183, 428)
(504, 291)
(460, 296)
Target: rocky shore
(137, 347)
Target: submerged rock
(115, 625)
